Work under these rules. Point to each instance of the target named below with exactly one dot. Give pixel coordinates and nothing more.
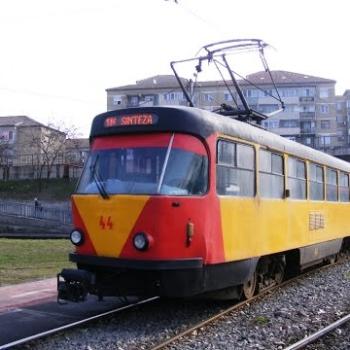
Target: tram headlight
(141, 241)
(76, 237)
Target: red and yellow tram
(177, 202)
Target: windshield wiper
(165, 164)
(98, 181)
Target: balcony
(306, 99)
(307, 115)
(307, 130)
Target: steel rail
(238, 306)
(75, 324)
(220, 314)
(317, 335)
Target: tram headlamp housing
(76, 237)
(141, 241)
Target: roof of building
(155, 82)
(19, 120)
(258, 78)
(284, 77)
(24, 121)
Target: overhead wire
(40, 94)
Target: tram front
(139, 213)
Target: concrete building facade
(30, 150)
(313, 114)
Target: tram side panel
(257, 227)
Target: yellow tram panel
(109, 222)
(257, 227)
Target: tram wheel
(279, 269)
(249, 287)
(332, 259)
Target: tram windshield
(159, 166)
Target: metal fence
(59, 215)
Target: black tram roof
(169, 119)
(201, 123)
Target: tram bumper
(115, 276)
(74, 285)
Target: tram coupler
(74, 284)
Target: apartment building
(29, 150)
(313, 114)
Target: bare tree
(46, 144)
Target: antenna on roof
(216, 53)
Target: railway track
(199, 326)
(303, 343)
(76, 323)
(191, 331)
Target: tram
(182, 202)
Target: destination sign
(131, 119)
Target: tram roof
(204, 123)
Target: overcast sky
(58, 56)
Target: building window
(324, 92)
(296, 178)
(235, 169)
(306, 92)
(134, 101)
(307, 127)
(149, 98)
(324, 108)
(291, 108)
(332, 185)
(271, 124)
(291, 123)
(10, 135)
(308, 108)
(344, 192)
(116, 100)
(267, 108)
(228, 97)
(271, 175)
(325, 140)
(208, 97)
(173, 96)
(325, 124)
(316, 182)
(288, 92)
(252, 93)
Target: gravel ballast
(274, 322)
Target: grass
(261, 320)
(24, 260)
(53, 189)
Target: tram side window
(297, 178)
(344, 187)
(235, 169)
(271, 182)
(332, 185)
(316, 182)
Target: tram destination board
(131, 120)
